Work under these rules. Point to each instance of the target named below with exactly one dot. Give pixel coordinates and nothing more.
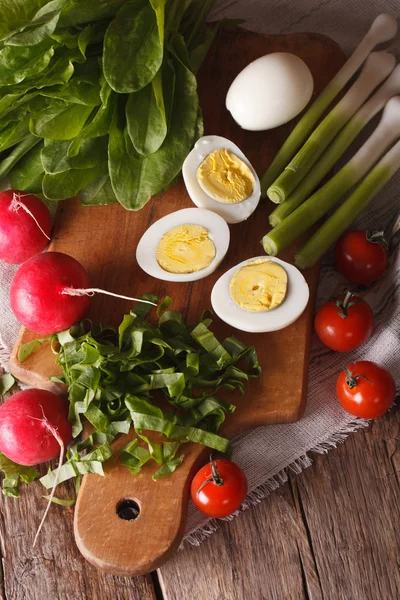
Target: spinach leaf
(80, 92)
(14, 133)
(35, 32)
(13, 474)
(16, 154)
(145, 117)
(6, 383)
(16, 13)
(17, 63)
(55, 157)
(98, 192)
(28, 173)
(59, 120)
(68, 183)
(133, 35)
(101, 121)
(135, 179)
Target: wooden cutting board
(104, 240)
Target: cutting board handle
(129, 525)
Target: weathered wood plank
(261, 555)
(330, 534)
(351, 504)
(54, 569)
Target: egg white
(218, 232)
(261, 322)
(232, 213)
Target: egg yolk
(259, 286)
(185, 249)
(225, 177)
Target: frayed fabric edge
(198, 536)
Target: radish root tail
(69, 291)
(54, 432)
(16, 204)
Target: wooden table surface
(330, 533)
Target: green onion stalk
(376, 68)
(324, 199)
(326, 162)
(333, 227)
(383, 29)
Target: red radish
(36, 292)
(34, 428)
(49, 293)
(31, 424)
(25, 226)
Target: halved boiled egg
(260, 294)
(219, 177)
(185, 245)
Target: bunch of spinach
(114, 375)
(99, 98)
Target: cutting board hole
(128, 509)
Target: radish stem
(376, 68)
(54, 432)
(328, 233)
(68, 291)
(390, 88)
(383, 29)
(16, 204)
(387, 132)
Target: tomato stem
(215, 476)
(352, 380)
(377, 237)
(343, 306)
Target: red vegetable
(25, 226)
(344, 323)
(219, 488)
(365, 389)
(362, 258)
(38, 292)
(31, 424)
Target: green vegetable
(390, 88)
(17, 153)
(333, 227)
(324, 199)
(6, 383)
(27, 175)
(14, 474)
(120, 69)
(133, 35)
(382, 29)
(376, 68)
(113, 373)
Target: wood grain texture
(331, 533)
(104, 239)
(54, 569)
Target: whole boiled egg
(219, 178)
(260, 294)
(270, 91)
(185, 245)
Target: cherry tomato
(219, 488)
(344, 323)
(365, 389)
(361, 257)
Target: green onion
(387, 132)
(383, 29)
(390, 88)
(376, 68)
(328, 233)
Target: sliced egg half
(152, 244)
(231, 211)
(285, 314)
